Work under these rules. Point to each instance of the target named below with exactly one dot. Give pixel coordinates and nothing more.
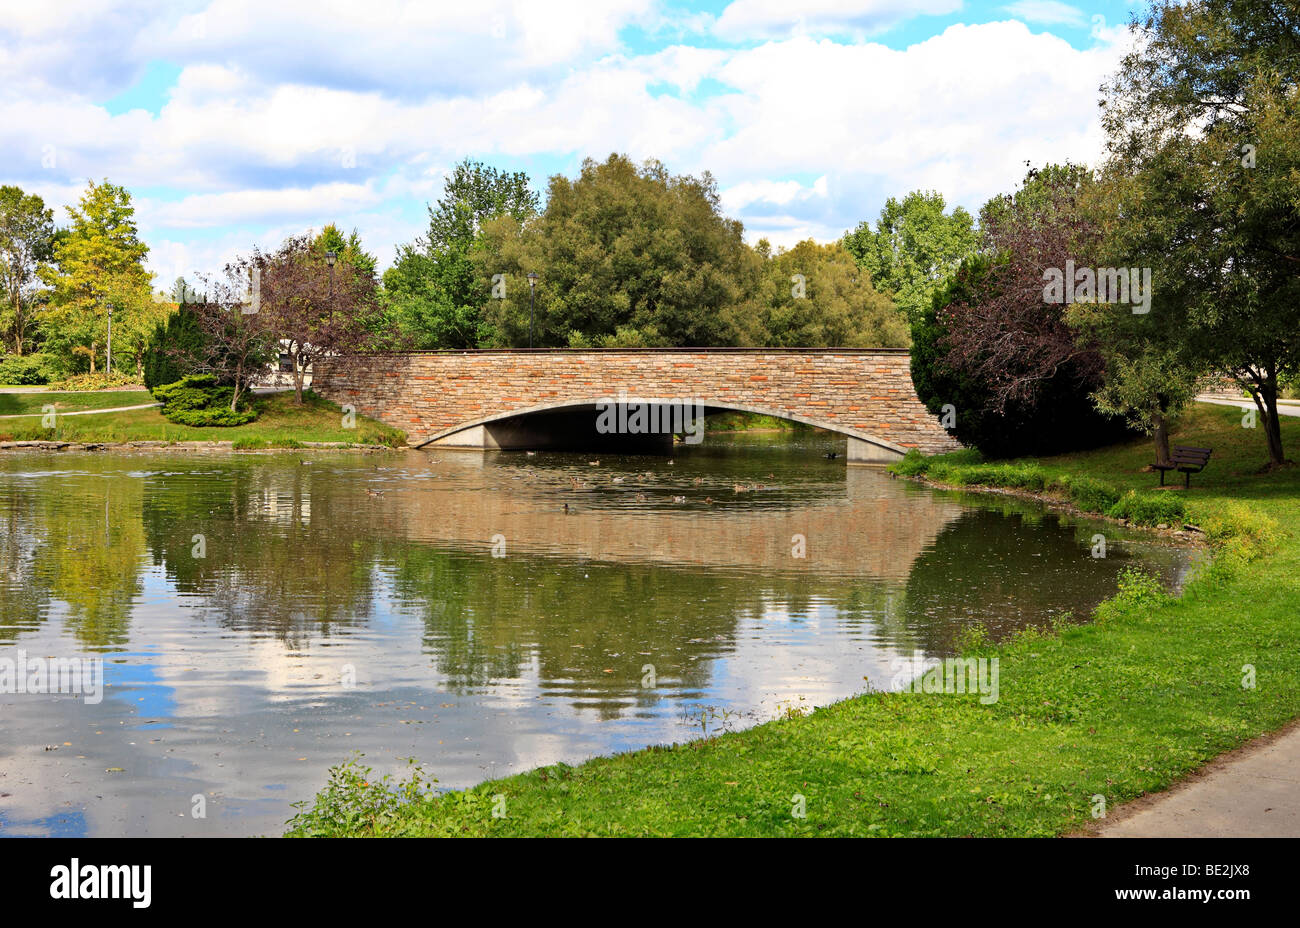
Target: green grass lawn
(279, 422)
(1148, 691)
(13, 404)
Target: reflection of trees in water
(280, 558)
(1007, 566)
(589, 626)
(89, 554)
(880, 605)
(295, 551)
(24, 595)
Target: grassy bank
(1145, 693)
(33, 404)
(280, 422)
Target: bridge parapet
(866, 394)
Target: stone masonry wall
(866, 393)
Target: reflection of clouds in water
(477, 665)
(782, 658)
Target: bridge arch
(510, 430)
(460, 397)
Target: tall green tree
(98, 260)
(432, 292)
(1202, 119)
(26, 241)
(474, 193)
(816, 296)
(347, 249)
(1150, 372)
(626, 255)
(913, 248)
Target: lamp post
(532, 295)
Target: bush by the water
(1149, 508)
(914, 463)
(29, 369)
(1016, 476)
(1089, 494)
(200, 401)
(965, 468)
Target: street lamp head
(532, 280)
(331, 257)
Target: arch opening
(585, 425)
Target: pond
(263, 616)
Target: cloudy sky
(238, 122)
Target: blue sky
(235, 122)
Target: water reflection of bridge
(875, 529)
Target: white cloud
(247, 207)
(401, 47)
(1049, 12)
(807, 138)
(960, 113)
(766, 19)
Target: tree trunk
(1272, 425)
(1263, 390)
(297, 380)
(234, 394)
(16, 300)
(1160, 435)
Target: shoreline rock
(152, 445)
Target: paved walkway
(1284, 407)
(1252, 792)
(80, 412)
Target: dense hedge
(96, 381)
(173, 348)
(1062, 416)
(199, 400)
(29, 369)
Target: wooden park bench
(1187, 461)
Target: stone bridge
(549, 398)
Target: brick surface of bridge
(468, 398)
